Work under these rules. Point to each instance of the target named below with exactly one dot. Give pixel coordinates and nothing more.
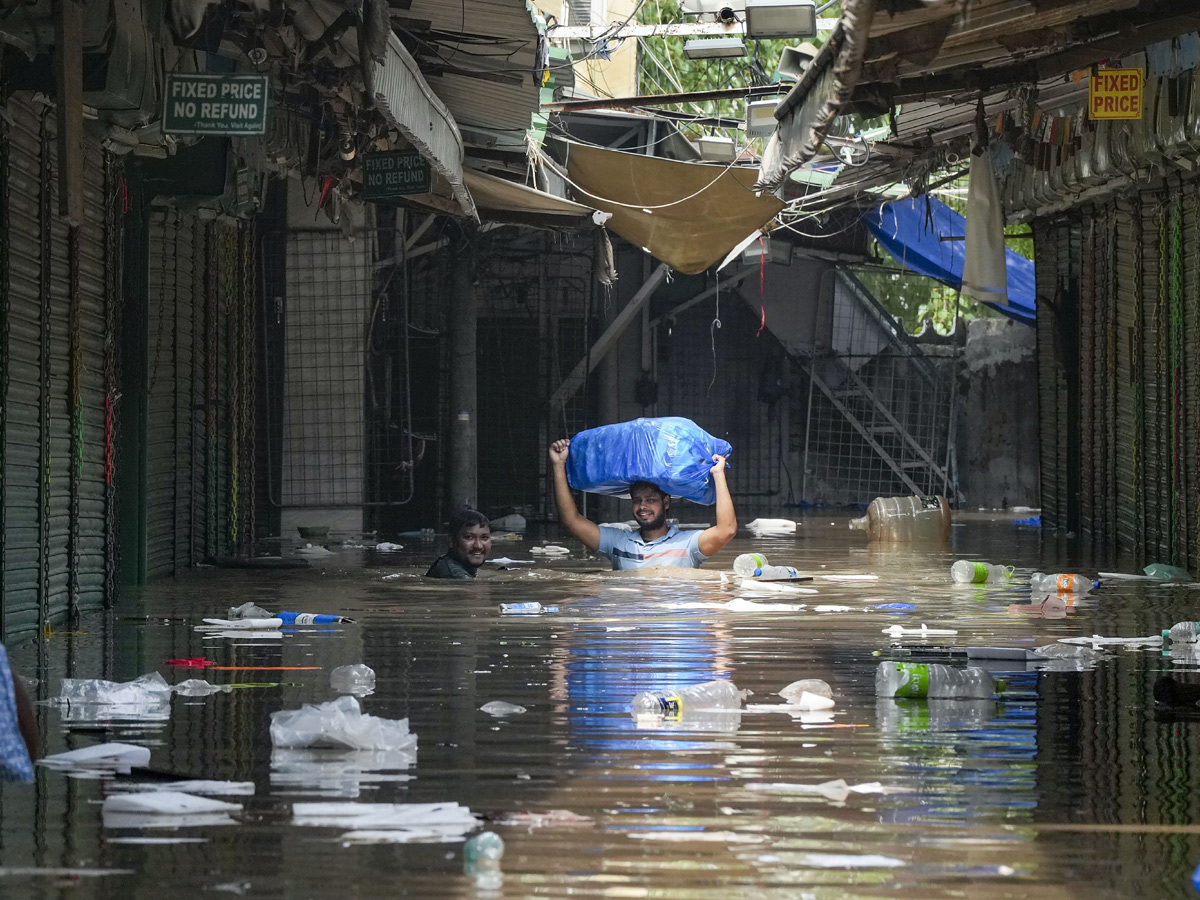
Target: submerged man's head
(650, 505)
(470, 535)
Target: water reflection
(972, 795)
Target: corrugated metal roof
(405, 98)
(483, 63)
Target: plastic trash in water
(809, 694)
(836, 791)
(339, 723)
(528, 608)
(673, 703)
(198, 687)
(389, 822)
(1096, 641)
(388, 547)
(895, 607)
(550, 550)
(771, 527)
(1031, 522)
(1163, 572)
(505, 561)
(358, 679)
(165, 803)
(500, 708)
(898, 679)
(923, 631)
(1067, 583)
(485, 845)
(906, 519)
(113, 757)
(145, 699)
(311, 552)
(965, 571)
(198, 787)
(779, 573)
(746, 563)
(213, 624)
(295, 618)
(754, 586)
(249, 611)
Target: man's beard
(656, 523)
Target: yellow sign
(1115, 94)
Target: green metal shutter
(1051, 243)
(1130, 440)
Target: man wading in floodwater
(470, 535)
(655, 543)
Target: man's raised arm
(713, 539)
(584, 529)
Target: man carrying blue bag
(616, 459)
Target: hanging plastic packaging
(672, 452)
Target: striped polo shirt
(627, 550)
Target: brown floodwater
(1070, 784)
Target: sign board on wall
(215, 104)
(394, 173)
(1115, 94)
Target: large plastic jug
(906, 520)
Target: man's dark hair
(649, 484)
(463, 518)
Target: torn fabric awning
(688, 215)
(912, 233)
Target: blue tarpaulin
(911, 231)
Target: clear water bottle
(1182, 632)
(775, 573)
(745, 564)
(672, 704)
(906, 519)
(1064, 583)
(967, 572)
(897, 679)
(358, 679)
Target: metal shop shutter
(1128, 387)
(169, 388)
(1050, 240)
(54, 515)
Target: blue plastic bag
(672, 452)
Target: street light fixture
(714, 48)
(766, 19)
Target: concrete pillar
(463, 477)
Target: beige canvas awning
(497, 198)
(687, 215)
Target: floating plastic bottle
(901, 717)
(1182, 632)
(897, 679)
(532, 608)
(906, 520)
(673, 704)
(967, 572)
(358, 679)
(1063, 583)
(775, 573)
(485, 845)
(745, 564)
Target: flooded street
(1068, 785)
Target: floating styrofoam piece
(196, 787)
(384, 816)
(752, 586)
(549, 550)
(339, 723)
(849, 577)
(924, 630)
(505, 561)
(500, 708)
(166, 803)
(771, 527)
(111, 757)
(153, 820)
(836, 790)
(745, 604)
(388, 547)
(1096, 641)
(240, 624)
